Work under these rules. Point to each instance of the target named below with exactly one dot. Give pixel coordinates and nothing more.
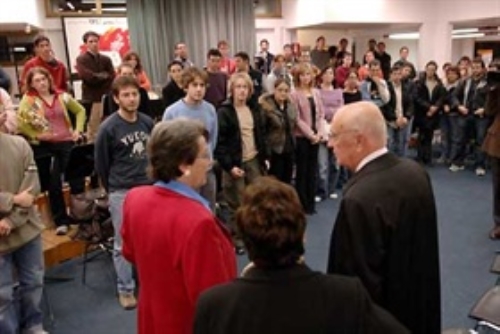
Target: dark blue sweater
(120, 152)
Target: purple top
(332, 101)
(216, 88)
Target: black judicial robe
(386, 234)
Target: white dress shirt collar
(370, 157)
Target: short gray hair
(173, 143)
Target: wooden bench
(56, 248)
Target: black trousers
(426, 127)
(282, 166)
(51, 180)
(305, 177)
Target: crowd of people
(313, 120)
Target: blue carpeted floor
(464, 209)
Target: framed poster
(114, 41)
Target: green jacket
(66, 100)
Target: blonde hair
(299, 70)
(245, 77)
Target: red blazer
(179, 249)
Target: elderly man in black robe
(386, 230)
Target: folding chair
(486, 310)
(457, 331)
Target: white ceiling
(389, 28)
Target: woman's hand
(315, 139)
(237, 172)
(76, 136)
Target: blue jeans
(446, 139)
(326, 171)
(458, 125)
(125, 281)
(398, 139)
(21, 284)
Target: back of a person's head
(272, 223)
(365, 117)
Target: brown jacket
(97, 74)
(491, 144)
(275, 124)
(19, 172)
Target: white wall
(274, 31)
(377, 11)
(300, 13)
(309, 36)
(463, 10)
(462, 47)
(435, 43)
(23, 11)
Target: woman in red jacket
(170, 233)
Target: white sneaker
(480, 171)
(456, 168)
(334, 196)
(62, 230)
(36, 330)
(317, 199)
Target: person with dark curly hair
(278, 292)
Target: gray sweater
(120, 152)
(19, 172)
